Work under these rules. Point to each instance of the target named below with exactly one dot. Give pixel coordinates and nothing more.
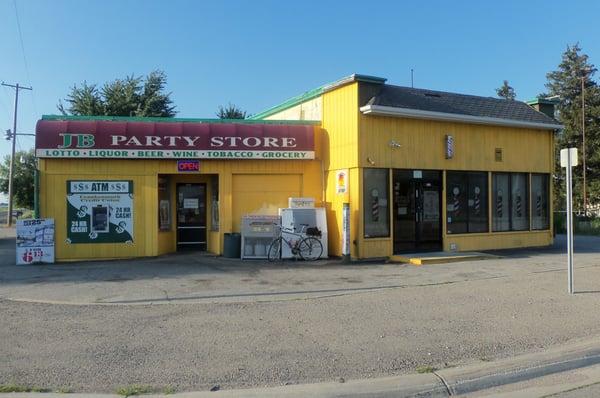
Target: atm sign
(188, 165)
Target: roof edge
(314, 93)
(454, 117)
(174, 120)
(548, 101)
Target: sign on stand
(35, 241)
(568, 159)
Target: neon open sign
(188, 165)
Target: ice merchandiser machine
(297, 217)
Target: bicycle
(307, 247)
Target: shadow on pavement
(195, 265)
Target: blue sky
(258, 53)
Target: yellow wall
(340, 125)
(148, 240)
(262, 194)
(308, 110)
(340, 151)
(423, 145)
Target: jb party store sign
(99, 211)
(35, 241)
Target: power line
(24, 57)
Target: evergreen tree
(231, 112)
(506, 91)
(565, 84)
(131, 96)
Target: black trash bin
(232, 245)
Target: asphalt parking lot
(191, 322)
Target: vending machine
(297, 218)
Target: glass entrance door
(191, 216)
(417, 210)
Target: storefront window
(540, 209)
(501, 203)
(214, 197)
(164, 204)
(456, 202)
(478, 202)
(466, 202)
(375, 203)
(511, 202)
(520, 202)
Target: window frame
(468, 173)
(364, 207)
(510, 201)
(548, 202)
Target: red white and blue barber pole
(568, 159)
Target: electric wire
(24, 56)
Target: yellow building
(421, 170)
(431, 170)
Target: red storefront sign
(172, 140)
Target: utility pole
(17, 87)
(583, 143)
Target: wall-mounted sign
(172, 140)
(99, 211)
(35, 241)
(301, 203)
(341, 181)
(188, 165)
(449, 147)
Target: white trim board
(453, 117)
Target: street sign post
(568, 159)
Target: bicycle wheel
(275, 250)
(310, 248)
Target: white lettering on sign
(215, 142)
(174, 154)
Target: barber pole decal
(499, 204)
(538, 204)
(518, 200)
(375, 205)
(477, 202)
(456, 201)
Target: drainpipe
(36, 193)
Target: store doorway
(191, 216)
(417, 210)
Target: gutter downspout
(36, 192)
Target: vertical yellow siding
(423, 145)
(340, 151)
(340, 122)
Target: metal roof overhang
(381, 110)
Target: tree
(506, 91)
(565, 85)
(231, 112)
(23, 177)
(131, 96)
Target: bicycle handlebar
(291, 230)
